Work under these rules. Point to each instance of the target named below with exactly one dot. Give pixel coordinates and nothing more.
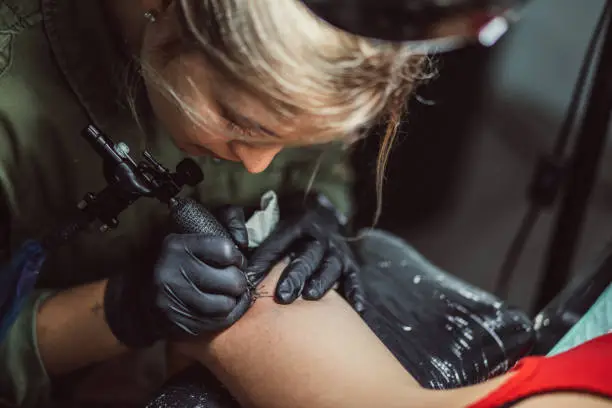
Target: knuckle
(236, 279)
(220, 244)
(332, 260)
(174, 242)
(227, 304)
(298, 265)
(203, 241)
(240, 283)
(226, 248)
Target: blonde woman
(267, 97)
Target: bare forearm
(72, 332)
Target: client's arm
(322, 355)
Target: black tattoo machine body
(128, 181)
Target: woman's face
(238, 128)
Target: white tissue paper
(264, 220)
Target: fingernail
(311, 293)
(285, 292)
(285, 298)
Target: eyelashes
(256, 138)
(238, 129)
(248, 136)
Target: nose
(255, 158)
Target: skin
(72, 332)
(323, 355)
(70, 325)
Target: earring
(151, 15)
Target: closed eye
(237, 128)
(242, 124)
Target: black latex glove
(197, 286)
(311, 236)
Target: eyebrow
(231, 115)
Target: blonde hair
(281, 54)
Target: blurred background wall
(458, 175)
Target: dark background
(458, 175)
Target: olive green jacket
(60, 71)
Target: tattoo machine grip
(191, 217)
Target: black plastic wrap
(195, 387)
(445, 332)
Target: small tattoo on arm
(261, 292)
(97, 309)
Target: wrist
(130, 312)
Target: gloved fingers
(324, 278)
(190, 302)
(229, 281)
(184, 327)
(215, 251)
(243, 304)
(194, 325)
(168, 296)
(232, 218)
(353, 289)
(300, 269)
(271, 251)
(208, 305)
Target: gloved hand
(197, 286)
(311, 235)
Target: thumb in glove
(232, 218)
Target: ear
(164, 27)
(166, 3)
(157, 5)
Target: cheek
(179, 124)
(166, 112)
(180, 128)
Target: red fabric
(586, 368)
